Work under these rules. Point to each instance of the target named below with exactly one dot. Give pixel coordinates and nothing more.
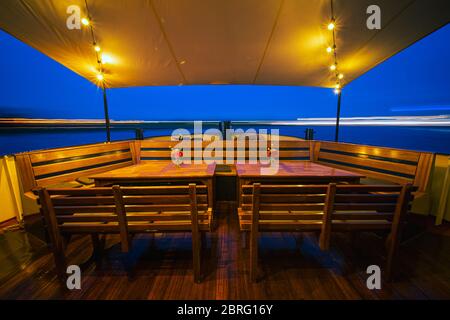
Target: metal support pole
(105, 107)
(338, 115)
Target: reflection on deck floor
(17, 250)
(292, 266)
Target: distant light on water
(411, 121)
(421, 108)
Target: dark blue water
(432, 139)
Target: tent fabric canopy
(262, 42)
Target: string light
(332, 49)
(106, 59)
(331, 25)
(100, 74)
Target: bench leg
(392, 245)
(298, 240)
(253, 255)
(244, 239)
(61, 265)
(392, 251)
(355, 238)
(60, 258)
(204, 241)
(196, 249)
(98, 246)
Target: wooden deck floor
(292, 267)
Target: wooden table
(160, 171)
(298, 172)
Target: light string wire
(88, 22)
(334, 67)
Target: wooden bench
(270, 208)
(381, 165)
(70, 167)
(149, 150)
(367, 208)
(325, 208)
(125, 211)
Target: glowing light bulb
(100, 77)
(97, 48)
(329, 49)
(336, 91)
(333, 67)
(85, 21)
(340, 76)
(331, 26)
(337, 86)
(106, 59)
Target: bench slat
(80, 163)
(286, 189)
(170, 199)
(286, 198)
(74, 175)
(382, 207)
(282, 216)
(158, 190)
(161, 208)
(357, 198)
(148, 227)
(367, 162)
(75, 201)
(287, 207)
(130, 217)
(50, 155)
(389, 153)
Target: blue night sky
(413, 82)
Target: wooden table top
(295, 169)
(158, 169)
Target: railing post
(139, 134)
(224, 125)
(309, 134)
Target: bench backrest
(74, 210)
(124, 210)
(168, 208)
(323, 207)
(394, 165)
(364, 207)
(283, 207)
(48, 167)
(162, 150)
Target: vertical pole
(105, 107)
(338, 115)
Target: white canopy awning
(172, 42)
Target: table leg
(238, 192)
(210, 185)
